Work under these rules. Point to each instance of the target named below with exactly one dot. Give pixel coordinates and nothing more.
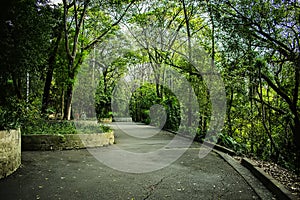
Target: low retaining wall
(65, 142)
(105, 120)
(122, 119)
(10, 152)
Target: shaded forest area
(253, 44)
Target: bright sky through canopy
(56, 1)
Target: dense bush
(145, 97)
(63, 127)
(15, 113)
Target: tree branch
(296, 88)
(278, 90)
(280, 111)
(78, 27)
(66, 29)
(99, 38)
(285, 50)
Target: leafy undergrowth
(64, 127)
(287, 178)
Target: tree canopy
(65, 59)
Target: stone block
(68, 141)
(10, 152)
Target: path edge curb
(220, 148)
(233, 163)
(273, 185)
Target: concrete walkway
(77, 174)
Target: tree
(26, 44)
(52, 56)
(111, 59)
(26, 29)
(268, 35)
(78, 41)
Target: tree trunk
(187, 23)
(47, 87)
(68, 102)
(295, 110)
(230, 131)
(69, 92)
(46, 93)
(16, 84)
(273, 145)
(297, 143)
(189, 123)
(62, 101)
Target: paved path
(76, 174)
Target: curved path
(76, 174)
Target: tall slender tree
(78, 41)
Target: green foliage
(17, 113)
(85, 127)
(111, 61)
(105, 128)
(25, 40)
(172, 107)
(260, 69)
(255, 46)
(8, 119)
(145, 97)
(63, 127)
(230, 142)
(49, 127)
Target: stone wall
(10, 152)
(122, 119)
(65, 142)
(106, 120)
